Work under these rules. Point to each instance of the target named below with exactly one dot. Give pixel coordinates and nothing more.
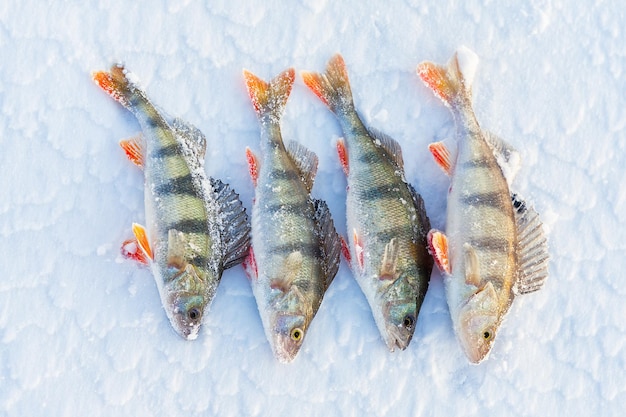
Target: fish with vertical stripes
(495, 247)
(295, 248)
(196, 227)
(386, 218)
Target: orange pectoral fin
(345, 251)
(343, 156)
(135, 149)
(252, 165)
(438, 248)
(442, 156)
(142, 240)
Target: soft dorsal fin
(306, 161)
(532, 248)
(233, 224)
(390, 145)
(192, 140)
(507, 156)
(330, 242)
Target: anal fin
(253, 165)
(442, 156)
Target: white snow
(82, 334)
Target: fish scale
(196, 226)
(295, 248)
(495, 248)
(386, 219)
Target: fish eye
(296, 334)
(487, 335)
(408, 321)
(193, 314)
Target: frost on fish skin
(497, 246)
(185, 238)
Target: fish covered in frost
(387, 222)
(196, 227)
(495, 248)
(295, 248)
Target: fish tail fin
(269, 99)
(333, 86)
(452, 83)
(116, 84)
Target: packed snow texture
(82, 332)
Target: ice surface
(83, 334)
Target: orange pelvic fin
(249, 265)
(442, 156)
(358, 249)
(438, 248)
(252, 165)
(343, 156)
(130, 250)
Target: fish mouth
(397, 340)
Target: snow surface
(83, 333)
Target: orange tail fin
(269, 99)
(116, 84)
(333, 86)
(449, 83)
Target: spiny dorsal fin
(233, 224)
(329, 240)
(390, 145)
(306, 162)
(532, 248)
(507, 156)
(191, 138)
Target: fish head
(288, 332)
(185, 301)
(478, 322)
(399, 317)
(186, 312)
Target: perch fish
(495, 248)
(295, 249)
(196, 227)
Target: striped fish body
(185, 242)
(295, 247)
(386, 220)
(495, 247)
